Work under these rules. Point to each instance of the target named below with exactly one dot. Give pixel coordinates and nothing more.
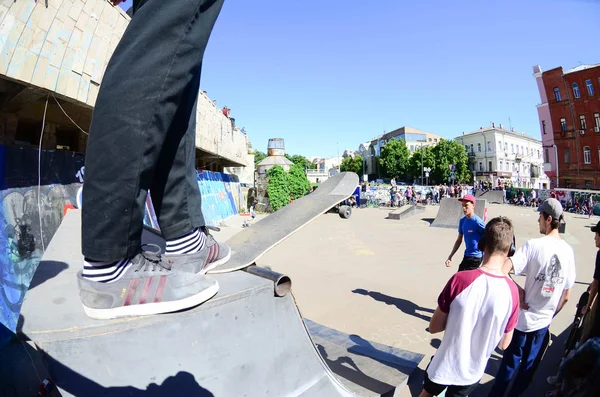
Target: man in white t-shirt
(478, 310)
(549, 263)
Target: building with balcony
(570, 124)
(496, 153)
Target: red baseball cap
(468, 197)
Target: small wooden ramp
(243, 342)
(405, 211)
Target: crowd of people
(482, 308)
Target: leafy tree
(302, 161)
(278, 188)
(394, 158)
(415, 163)
(259, 156)
(446, 153)
(298, 182)
(352, 164)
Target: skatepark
(365, 287)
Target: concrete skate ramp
(491, 196)
(450, 212)
(405, 211)
(243, 342)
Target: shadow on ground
(404, 305)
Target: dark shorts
(451, 390)
(469, 263)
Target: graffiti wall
(28, 219)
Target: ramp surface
(491, 196)
(450, 212)
(405, 211)
(243, 342)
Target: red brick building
(574, 104)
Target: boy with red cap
(470, 227)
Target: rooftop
(500, 130)
(581, 67)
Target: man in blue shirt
(470, 227)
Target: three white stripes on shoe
(108, 272)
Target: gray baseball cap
(552, 207)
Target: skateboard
(253, 242)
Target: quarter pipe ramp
(243, 342)
(450, 212)
(491, 196)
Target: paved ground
(380, 278)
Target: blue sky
(319, 72)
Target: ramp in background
(405, 211)
(450, 212)
(243, 342)
(491, 196)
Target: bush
(298, 182)
(278, 188)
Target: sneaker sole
(215, 264)
(148, 309)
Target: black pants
(469, 263)
(143, 129)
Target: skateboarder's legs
(143, 137)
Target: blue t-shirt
(472, 230)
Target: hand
(522, 302)
(448, 262)
(584, 310)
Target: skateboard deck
(253, 242)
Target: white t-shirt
(481, 308)
(550, 267)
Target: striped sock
(105, 272)
(189, 243)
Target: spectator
(478, 310)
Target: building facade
(573, 120)
(496, 153)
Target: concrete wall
(63, 47)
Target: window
(506, 166)
(505, 147)
(582, 121)
(544, 126)
(467, 148)
(539, 154)
(480, 166)
(586, 155)
(490, 166)
(489, 148)
(435, 139)
(499, 145)
(430, 139)
(597, 120)
(576, 91)
(557, 94)
(563, 124)
(546, 156)
(412, 148)
(599, 153)
(590, 87)
(479, 147)
(471, 148)
(512, 148)
(567, 155)
(500, 168)
(522, 149)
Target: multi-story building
(414, 139)
(570, 124)
(497, 153)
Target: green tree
(447, 153)
(351, 164)
(278, 187)
(259, 156)
(298, 159)
(394, 158)
(415, 163)
(297, 181)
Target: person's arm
(593, 293)
(564, 298)
(438, 321)
(505, 341)
(457, 244)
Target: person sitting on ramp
(470, 227)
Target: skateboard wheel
(345, 211)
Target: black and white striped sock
(189, 243)
(105, 272)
